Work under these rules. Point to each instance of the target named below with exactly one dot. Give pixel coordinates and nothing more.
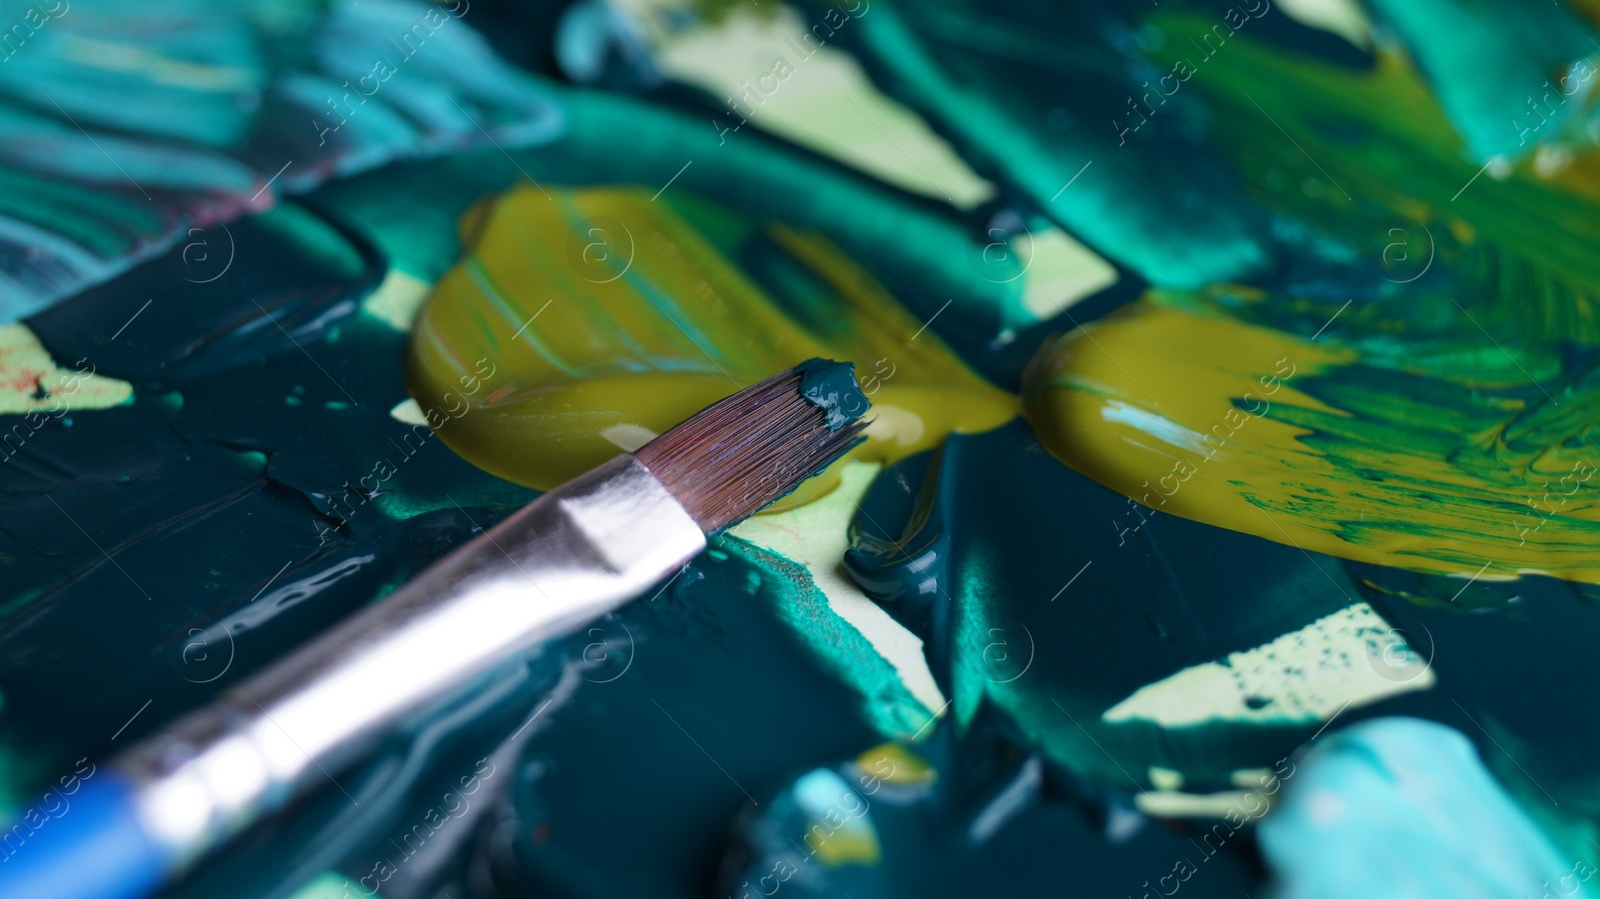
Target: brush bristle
(738, 455)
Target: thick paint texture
(639, 755)
(1437, 418)
(957, 273)
(216, 518)
(611, 316)
(864, 827)
(1327, 315)
(1510, 78)
(832, 387)
(288, 495)
(1271, 434)
(1403, 807)
(158, 131)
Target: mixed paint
(1227, 522)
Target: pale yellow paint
(825, 103)
(816, 536)
(32, 382)
(1345, 660)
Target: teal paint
(973, 548)
(159, 131)
(203, 497)
(1404, 807)
(868, 827)
(989, 85)
(1511, 77)
(831, 386)
(713, 665)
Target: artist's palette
(1227, 523)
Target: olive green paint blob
(580, 325)
(1384, 142)
(831, 386)
(1422, 395)
(927, 252)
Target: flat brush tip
(739, 454)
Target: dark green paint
(831, 386)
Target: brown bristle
(741, 453)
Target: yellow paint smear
(32, 383)
(591, 313)
(1189, 413)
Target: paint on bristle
(831, 386)
(738, 455)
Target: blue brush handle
(95, 850)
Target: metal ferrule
(574, 554)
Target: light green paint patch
(815, 537)
(1349, 658)
(1173, 804)
(628, 436)
(1165, 778)
(837, 645)
(1342, 17)
(408, 412)
(124, 59)
(1249, 778)
(32, 382)
(795, 85)
(397, 300)
(1061, 272)
(1257, 789)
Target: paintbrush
(574, 554)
